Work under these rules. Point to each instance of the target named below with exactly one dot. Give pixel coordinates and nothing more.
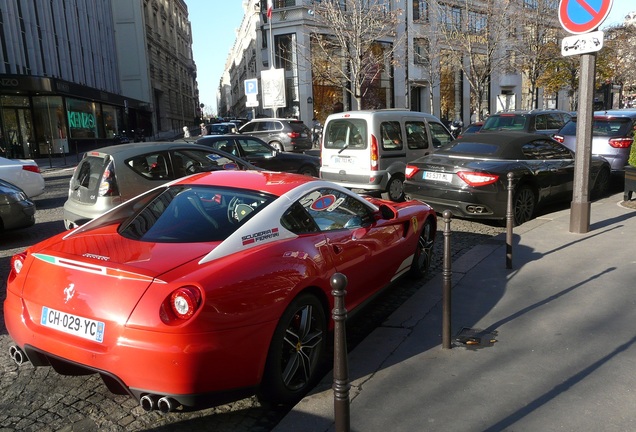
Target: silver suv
(282, 134)
(612, 136)
(546, 122)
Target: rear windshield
(298, 126)
(609, 127)
(190, 214)
(88, 173)
(346, 133)
(505, 122)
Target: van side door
(418, 140)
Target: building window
(477, 22)
(421, 49)
(451, 17)
(420, 10)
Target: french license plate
(437, 176)
(79, 326)
(343, 160)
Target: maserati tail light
(410, 171)
(477, 179)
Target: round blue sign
(582, 16)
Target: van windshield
(346, 133)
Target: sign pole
(580, 208)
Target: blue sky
(214, 27)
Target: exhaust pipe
(148, 402)
(166, 405)
(17, 355)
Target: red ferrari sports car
(211, 287)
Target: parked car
(106, 177)
(612, 136)
(469, 176)
(471, 128)
(369, 149)
(259, 153)
(282, 134)
(23, 173)
(211, 287)
(545, 122)
(16, 209)
(221, 128)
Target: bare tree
(353, 44)
(475, 33)
(538, 44)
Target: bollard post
(446, 290)
(510, 221)
(341, 384)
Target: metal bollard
(510, 221)
(341, 384)
(446, 290)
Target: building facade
(429, 73)
(77, 75)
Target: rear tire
(296, 351)
(308, 170)
(602, 184)
(523, 205)
(395, 189)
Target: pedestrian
(186, 132)
(204, 130)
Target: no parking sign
(582, 16)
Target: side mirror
(387, 212)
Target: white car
(24, 173)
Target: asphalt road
(41, 400)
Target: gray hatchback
(107, 177)
(612, 136)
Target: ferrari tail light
(620, 142)
(108, 185)
(477, 179)
(17, 262)
(558, 138)
(375, 155)
(31, 168)
(411, 170)
(181, 304)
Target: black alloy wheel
(423, 251)
(602, 183)
(308, 170)
(523, 205)
(296, 351)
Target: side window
(545, 149)
(416, 135)
(152, 166)
(332, 210)
(439, 135)
(254, 148)
(391, 135)
(249, 127)
(541, 122)
(186, 162)
(297, 220)
(555, 121)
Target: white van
(369, 149)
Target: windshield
(609, 127)
(505, 122)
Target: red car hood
(99, 275)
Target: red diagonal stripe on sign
(587, 7)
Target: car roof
(509, 143)
(137, 148)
